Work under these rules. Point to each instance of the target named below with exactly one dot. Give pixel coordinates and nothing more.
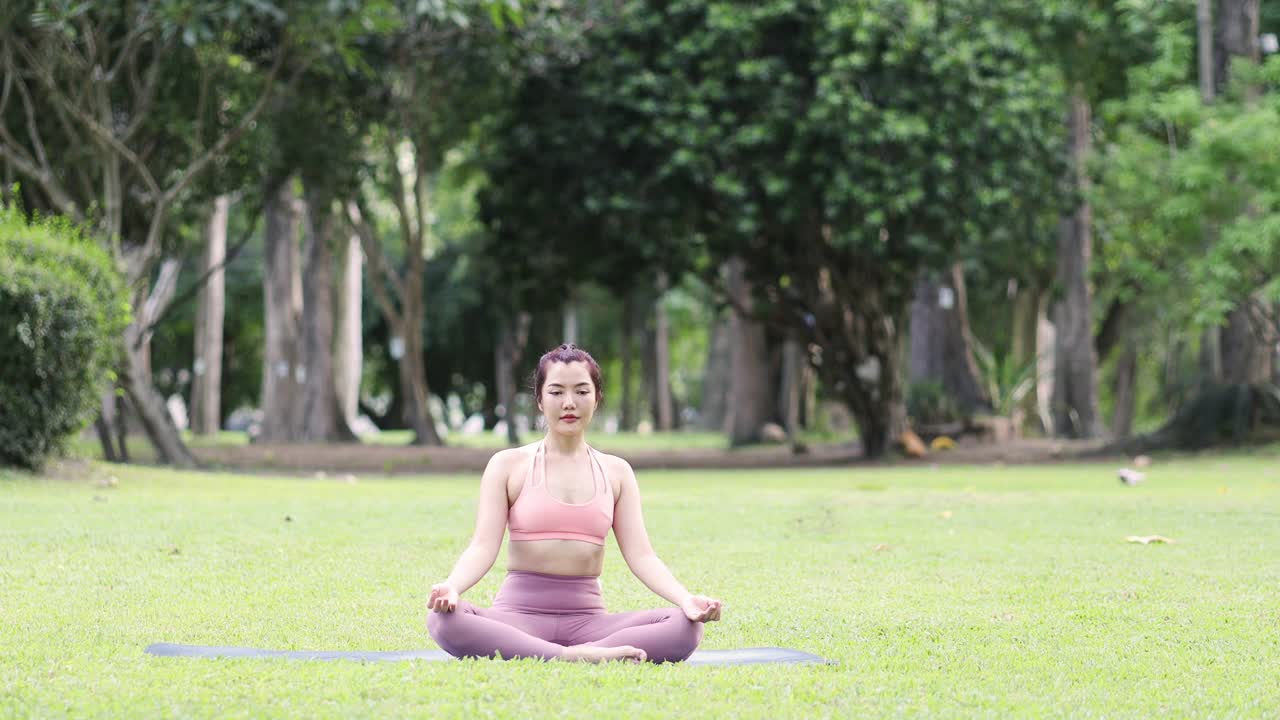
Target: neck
(565, 445)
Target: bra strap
(532, 481)
(604, 479)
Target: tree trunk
(790, 388)
(750, 400)
(1075, 404)
(1023, 351)
(206, 386)
(319, 415)
(626, 413)
(1248, 342)
(1124, 391)
(512, 338)
(662, 359)
(571, 320)
(413, 380)
(348, 353)
(282, 300)
(942, 343)
(1204, 47)
(1046, 363)
(136, 380)
(105, 425)
(1235, 35)
(1245, 342)
(715, 378)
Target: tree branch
(378, 271)
(158, 300)
(231, 135)
(200, 282)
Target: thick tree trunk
(320, 418)
(942, 343)
(348, 355)
(206, 385)
(1235, 35)
(282, 301)
(1248, 344)
(1046, 363)
(1124, 391)
(715, 378)
(1075, 405)
(663, 416)
(750, 398)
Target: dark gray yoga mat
(745, 656)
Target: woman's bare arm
(633, 539)
(491, 524)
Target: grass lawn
(86, 445)
(998, 592)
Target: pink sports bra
(535, 515)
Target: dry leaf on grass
(945, 514)
(1148, 539)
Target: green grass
(140, 450)
(1025, 601)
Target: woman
(560, 497)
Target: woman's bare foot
(594, 654)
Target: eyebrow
(578, 385)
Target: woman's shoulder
(614, 465)
(513, 458)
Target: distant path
(391, 459)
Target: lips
(569, 418)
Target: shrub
(62, 310)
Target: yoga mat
(744, 656)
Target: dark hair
(567, 353)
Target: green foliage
(1187, 196)
(1006, 382)
(62, 308)
(929, 403)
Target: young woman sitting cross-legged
(560, 497)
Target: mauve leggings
(539, 615)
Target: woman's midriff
(555, 557)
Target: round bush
(62, 311)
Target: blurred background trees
(767, 220)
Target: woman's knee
(443, 629)
(688, 636)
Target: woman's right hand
(443, 598)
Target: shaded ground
(415, 460)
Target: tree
(837, 148)
(104, 81)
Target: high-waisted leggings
(539, 615)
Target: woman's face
(568, 397)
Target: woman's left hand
(700, 608)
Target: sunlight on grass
(953, 591)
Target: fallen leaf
(1148, 539)
(912, 444)
(881, 547)
(945, 514)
